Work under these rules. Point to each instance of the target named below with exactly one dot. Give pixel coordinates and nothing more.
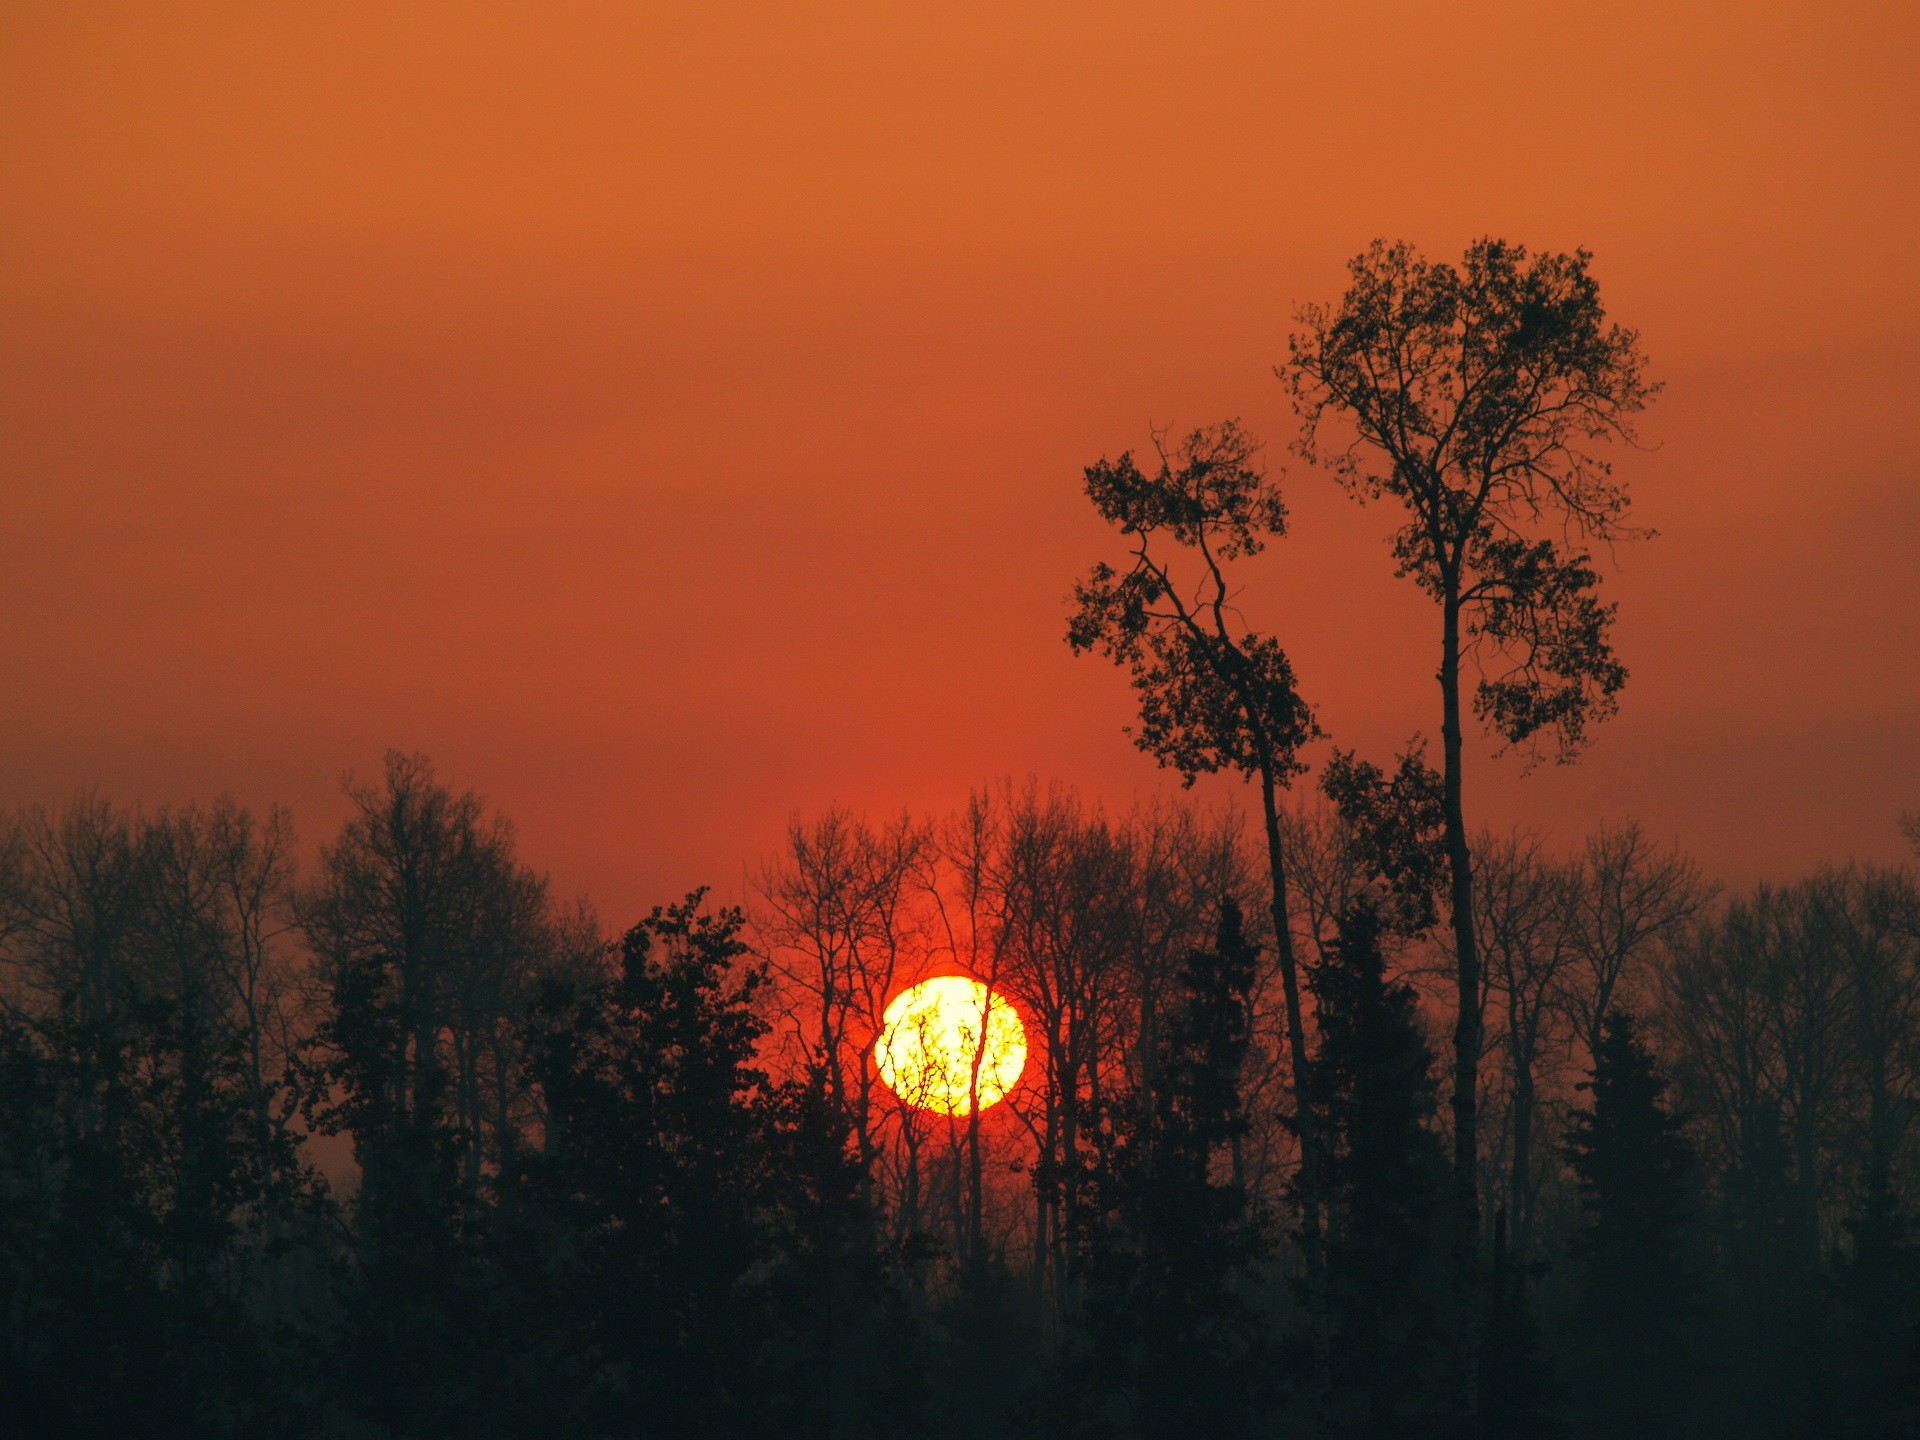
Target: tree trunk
(1311, 1245)
(1467, 1025)
(1520, 1201)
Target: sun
(931, 1037)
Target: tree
(1523, 910)
(1520, 1397)
(700, 1227)
(1213, 693)
(83, 876)
(1385, 1174)
(1637, 1292)
(429, 940)
(1627, 897)
(1478, 399)
(148, 1179)
(836, 924)
(1725, 1025)
(139, 1205)
(1873, 917)
(1176, 1348)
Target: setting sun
(932, 1036)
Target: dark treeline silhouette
(627, 1188)
(1344, 1120)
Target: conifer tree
(1636, 1289)
(1176, 1349)
(1372, 1081)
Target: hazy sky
(670, 416)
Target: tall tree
(1478, 399)
(1213, 693)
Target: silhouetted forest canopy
(1340, 1116)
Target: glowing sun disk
(931, 1038)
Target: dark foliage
(1386, 1172)
(1396, 822)
(693, 1239)
(1170, 1239)
(1213, 695)
(1636, 1311)
(591, 1202)
(1520, 1395)
(140, 1201)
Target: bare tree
(971, 935)
(1628, 897)
(82, 890)
(1760, 1007)
(1524, 913)
(217, 919)
(1058, 883)
(16, 909)
(1326, 869)
(835, 918)
(1873, 917)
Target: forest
(1339, 1117)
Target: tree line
(401, 1146)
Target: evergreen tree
(1636, 1292)
(1386, 1170)
(1173, 1346)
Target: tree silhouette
(677, 1227)
(1385, 1174)
(1637, 1291)
(1213, 694)
(1478, 398)
(428, 938)
(654, 1162)
(1176, 1348)
(138, 1198)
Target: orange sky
(669, 416)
